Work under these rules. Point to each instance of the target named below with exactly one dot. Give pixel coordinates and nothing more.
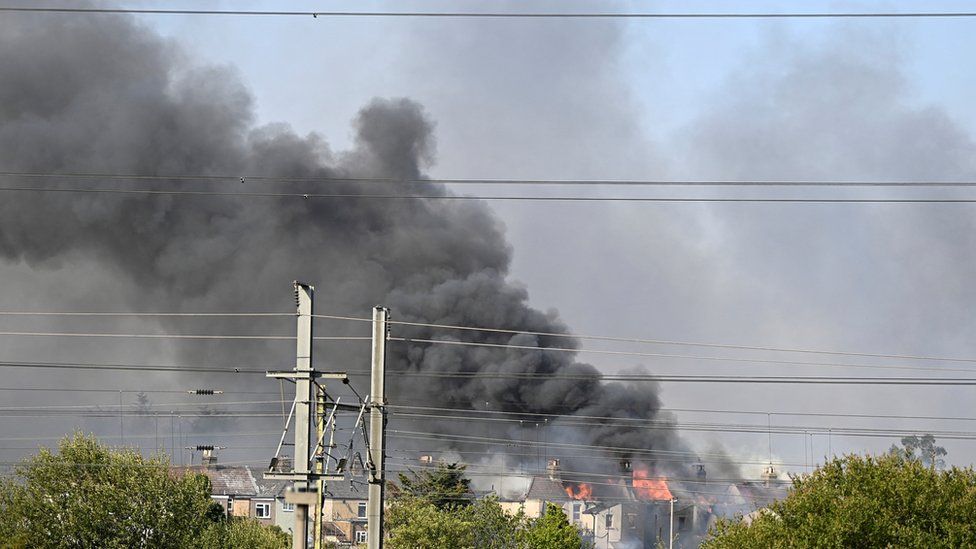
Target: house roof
(547, 489)
(272, 488)
(233, 480)
(354, 488)
(760, 495)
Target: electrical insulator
(202, 447)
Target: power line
(544, 415)
(137, 314)
(682, 357)
(240, 179)
(667, 425)
(563, 455)
(132, 367)
(116, 391)
(577, 474)
(675, 343)
(101, 407)
(596, 377)
(494, 15)
(505, 198)
(176, 336)
(680, 343)
(144, 336)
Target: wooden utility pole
(377, 428)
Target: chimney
(426, 460)
(552, 469)
(209, 458)
(625, 466)
(769, 474)
(700, 473)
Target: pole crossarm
(308, 375)
(302, 477)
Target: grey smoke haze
(874, 278)
(109, 96)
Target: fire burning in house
(581, 491)
(649, 488)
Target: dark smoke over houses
(105, 95)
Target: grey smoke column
(103, 94)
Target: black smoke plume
(106, 95)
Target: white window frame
(266, 505)
(361, 510)
(287, 507)
(361, 536)
(576, 512)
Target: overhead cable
(135, 314)
(678, 356)
(691, 343)
(493, 14)
(177, 336)
(556, 415)
(504, 198)
(238, 179)
(683, 343)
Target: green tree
(444, 486)
(87, 495)
(241, 533)
(921, 448)
(493, 528)
(553, 531)
(857, 501)
(417, 523)
(436, 508)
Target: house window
(682, 521)
(576, 512)
(262, 510)
(609, 520)
(361, 510)
(289, 507)
(360, 536)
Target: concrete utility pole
(671, 527)
(377, 428)
(305, 492)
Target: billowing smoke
(106, 95)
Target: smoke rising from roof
(106, 95)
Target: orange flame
(648, 488)
(581, 491)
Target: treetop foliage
(437, 509)
(444, 486)
(920, 448)
(864, 501)
(88, 495)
